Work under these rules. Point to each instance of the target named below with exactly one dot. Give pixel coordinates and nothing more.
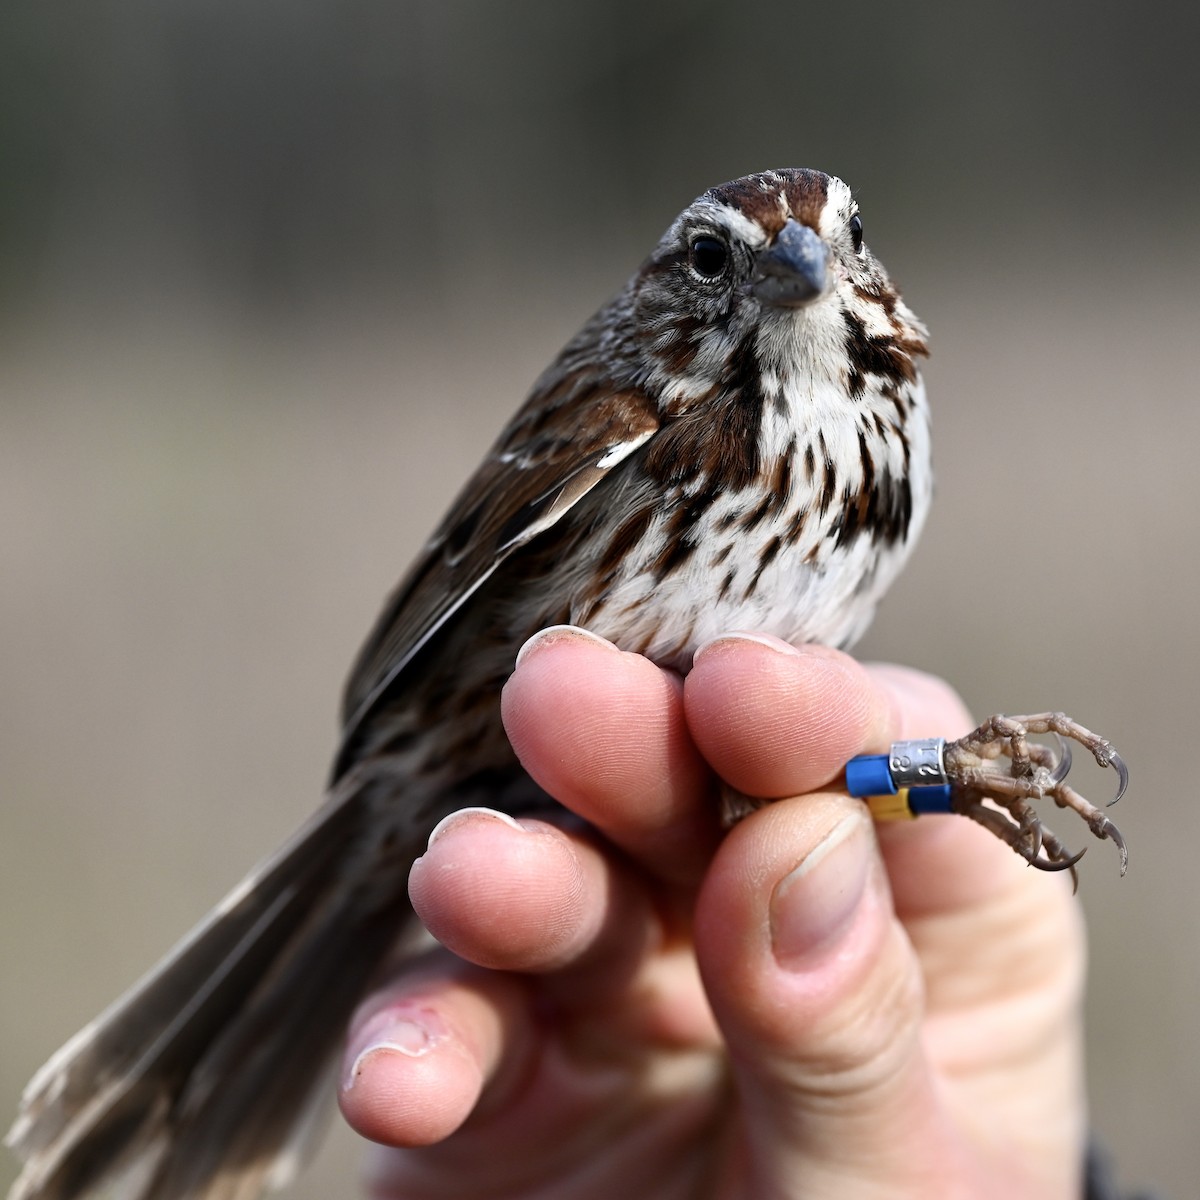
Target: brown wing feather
(549, 457)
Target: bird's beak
(791, 271)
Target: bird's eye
(856, 233)
(708, 257)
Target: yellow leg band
(891, 808)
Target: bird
(739, 439)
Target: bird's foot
(998, 763)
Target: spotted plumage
(738, 440)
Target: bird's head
(774, 262)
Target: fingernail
(816, 901)
(560, 633)
(739, 638)
(410, 1034)
(464, 815)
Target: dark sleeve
(1100, 1180)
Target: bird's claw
(1115, 761)
(1063, 768)
(1058, 864)
(999, 794)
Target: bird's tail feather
(196, 1084)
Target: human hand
(809, 1007)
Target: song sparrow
(739, 439)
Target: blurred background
(272, 276)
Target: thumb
(819, 996)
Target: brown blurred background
(272, 275)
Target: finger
(819, 997)
(937, 864)
(469, 1075)
(453, 1049)
(993, 936)
(421, 1050)
(918, 704)
(525, 896)
(518, 895)
(604, 733)
(778, 720)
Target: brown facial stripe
(677, 354)
(757, 196)
(886, 357)
(886, 296)
(878, 294)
